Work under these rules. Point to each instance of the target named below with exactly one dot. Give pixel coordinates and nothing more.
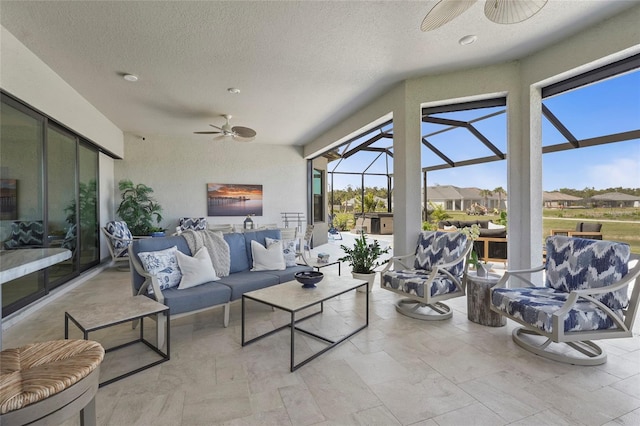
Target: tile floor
(397, 371)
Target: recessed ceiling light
(468, 39)
(130, 77)
(233, 90)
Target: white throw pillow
(288, 250)
(450, 228)
(492, 225)
(196, 270)
(267, 259)
(164, 265)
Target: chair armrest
(401, 260)
(517, 273)
(585, 234)
(588, 294)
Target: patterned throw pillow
(288, 249)
(119, 229)
(164, 265)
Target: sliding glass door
(48, 198)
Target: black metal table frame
(294, 328)
(165, 355)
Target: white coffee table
(291, 297)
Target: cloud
(621, 172)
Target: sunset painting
(234, 200)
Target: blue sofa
(212, 294)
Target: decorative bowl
(309, 279)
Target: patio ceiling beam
(559, 126)
(437, 152)
(363, 145)
(600, 140)
(461, 163)
(486, 142)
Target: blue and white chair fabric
(192, 223)
(585, 296)
(25, 234)
(119, 238)
(432, 274)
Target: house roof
(615, 196)
(301, 66)
(558, 196)
(450, 192)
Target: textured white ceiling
(302, 66)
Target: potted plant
(138, 209)
(363, 258)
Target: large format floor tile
(398, 371)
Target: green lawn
(612, 227)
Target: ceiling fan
(238, 133)
(498, 11)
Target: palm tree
(500, 191)
(486, 193)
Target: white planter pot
(365, 277)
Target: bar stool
(48, 382)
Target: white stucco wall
(178, 170)
(25, 76)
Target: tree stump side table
(479, 300)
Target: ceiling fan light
(444, 11)
(512, 11)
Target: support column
(524, 169)
(407, 174)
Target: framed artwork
(225, 199)
(8, 199)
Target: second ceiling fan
(238, 133)
(498, 11)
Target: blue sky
(606, 107)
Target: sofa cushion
(491, 225)
(244, 281)
(163, 264)
(288, 274)
(194, 298)
(493, 233)
(154, 244)
(589, 227)
(536, 305)
(267, 258)
(195, 270)
(577, 263)
(25, 234)
(238, 252)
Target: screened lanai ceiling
(472, 133)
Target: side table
(317, 265)
(94, 317)
(479, 300)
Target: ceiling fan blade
(206, 133)
(444, 11)
(243, 132)
(219, 138)
(216, 127)
(511, 12)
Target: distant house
(615, 199)
(557, 199)
(460, 199)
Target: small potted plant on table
(363, 258)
